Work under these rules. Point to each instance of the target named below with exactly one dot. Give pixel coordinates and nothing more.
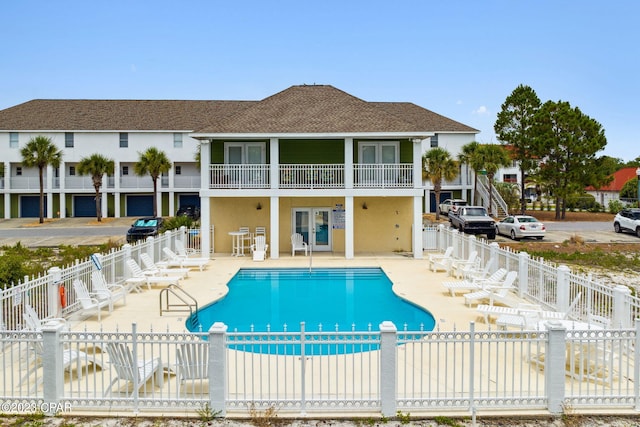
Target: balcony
(311, 176)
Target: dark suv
(627, 220)
(143, 228)
(191, 211)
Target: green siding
(294, 151)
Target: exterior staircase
(499, 208)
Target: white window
(178, 170)
(72, 170)
(18, 170)
(374, 152)
(125, 170)
(238, 153)
(124, 140)
(13, 139)
(177, 140)
(68, 139)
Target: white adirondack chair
(298, 244)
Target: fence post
(523, 274)
(388, 368)
(218, 368)
(562, 289)
(53, 298)
(127, 254)
(441, 237)
(52, 360)
(494, 251)
(150, 247)
(621, 307)
(554, 365)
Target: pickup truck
(449, 205)
(473, 220)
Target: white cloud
(481, 110)
(459, 102)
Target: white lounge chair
(155, 269)
(70, 359)
(91, 302)
(138, 274)
(174, 260)
(182, 250)
(494, 293)
(515, 316)
(133, 371)
(475, 285)
(298, 244)
(458, 266)
(192, 360)
(259, 248)
(105, 290)
(441, 261)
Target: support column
(62, 194)
(274, 227)
(7, 187)
(104, 197)
(348, 227)
(417, 227)
(274, 164)
(205, 202)
(348, 163)
(48, 191)
(117, 174)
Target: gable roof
(298, 109)
(620, 178)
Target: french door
(315, 226)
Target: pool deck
(411, 279)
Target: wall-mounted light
(259, 207)
(364, 206)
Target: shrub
(615, 206)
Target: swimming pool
(327, 299)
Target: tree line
(555, 145)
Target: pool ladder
(187, 302)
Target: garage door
(433, 206)
(84, 206)
(139, 205)
(188, 199)
(30, 206)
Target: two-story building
(312, 159)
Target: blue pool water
(325, 299)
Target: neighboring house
(611, 192)
(344, 172)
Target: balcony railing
(186, 181)
(383, 175)
(239, 176)
(311, 176)
(78, 182)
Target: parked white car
(627, 220)
(521, 226)
(448, 205)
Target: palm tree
(41, 152)
(97, 166)
(438, 165)
(468, 156)
(153, 162)
(492, 157)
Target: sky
(458, 58)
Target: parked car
(520, 226)
(627, 220)
(473, 220)
(191, 211)
(450, 205)
(143, 228)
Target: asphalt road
(86, 231)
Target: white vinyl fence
(381, 370)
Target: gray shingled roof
(125, 115)
(298, 109)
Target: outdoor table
(237, 242)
